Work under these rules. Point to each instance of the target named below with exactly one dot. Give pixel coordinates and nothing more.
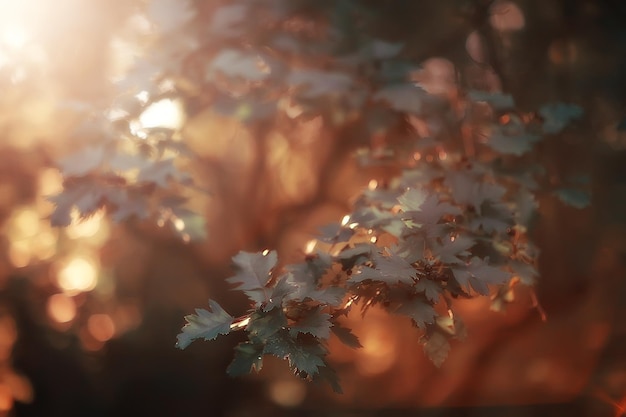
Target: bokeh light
(61, 308)
(78, 275)
(287, 393)
(101, 327)
(506, 16)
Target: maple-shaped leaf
(412, 200)
(305, 356)
(450, 250)
(478, 273)
(499, 101)
(125, 162)
(525, 272)
(86, 198)
(574, 197)
(170, 15)
(264, 325)
(407, 98)
(334, 232)
(332, 296)
(346, 336)
(283, 288)
(430, 288)
(317, 83)
(432, 210)
(390, 269)
(525, 206)
(394, 268)
(419, 310)
(493, 217)
(356, 255)
(326, 374)
(381, 197)
(467, 189)
(513, 144)
(127, 204)
(437, 347)
(160, 172)
(83, 162)
(253, 272)
(205, 324)
(557, 116)
(248, 357)
(315, 323)
(227, 20)
(379, 49)
(411, 248)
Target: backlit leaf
(437, 348)
(205, 324)
(253, 272)
(419, 310)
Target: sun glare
(164, 113)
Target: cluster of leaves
(454, 224)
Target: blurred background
(89, 313)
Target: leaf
(236, 63)
(159, 173)
(525, 272)
(558, 115)
(432, 210)
(431, 289)
(390, 269)
(324, 373)
(346, 336)
(282, 289)
(437, 348)
(206, 324)
(382, 50)
(126, 162)
(320, 83)
(332, 296)
(407, 98)
(83, 162)
(170, 15)
(467, 189)
(314, 323)
(513, 144)
(450, 250)
(307, 359)
(265, 325)
(499, 101)
(412, 200)
(304, 356)
(574, 197)
(86, 197)
(127, 204)
(248, 357)
(253, 272)
(227, 20)
(421, 312)
(478, 273)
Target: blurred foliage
(158, 114)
